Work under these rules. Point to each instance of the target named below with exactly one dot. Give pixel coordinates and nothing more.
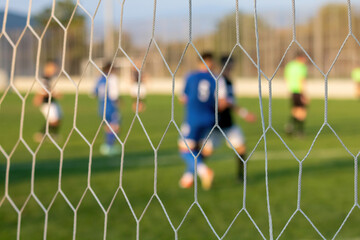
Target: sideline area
(338, 88)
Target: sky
(172, 15)
(177, 6)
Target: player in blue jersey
(108, 104)
(199, 100)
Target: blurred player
(137, 79)
(199, 100)
(109, 95)
(355, 75)
(295, 75)
(49, 107)
(227, 105)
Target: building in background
(321, 36)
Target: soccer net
(60, 42)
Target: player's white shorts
(233, 133)
(134, 90)
(51, 111)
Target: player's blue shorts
(196, 133)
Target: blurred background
(59, 187)
(321, 30)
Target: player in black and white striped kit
(49, 106)
(227, 105)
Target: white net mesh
(63, 33)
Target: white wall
(338, 88)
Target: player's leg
(290, 125)
(214, 141)
(109, 147)
(237, 140)
(134, 95)
(52, 114)
(206, 174)
(298, 115)
(185, 148)
(54, 118)
(44, 109)
(142, 96)
(188, 149)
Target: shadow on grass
(75, 166)
(307, 170)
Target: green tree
(223, 39)
(76, 43)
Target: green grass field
(327, 190)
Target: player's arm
(241, 111)
(95, 92)
(244, 113)
(183, 98)
(39, 97)
(224, 103)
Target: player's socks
(189, 160)
(43, 129)
(299, 127)
(53, 130)
(205, 173)
(240, 173)
(187, 179)
(110, 138)
(289, 127)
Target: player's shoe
(289, 129)
(300, 135)
(38, 137)
(240, 175)
(114, 150)
(186, 181)
(108, 150)
(105, 149)
(206, 176)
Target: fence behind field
(244, 87)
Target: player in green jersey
(295, 75)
